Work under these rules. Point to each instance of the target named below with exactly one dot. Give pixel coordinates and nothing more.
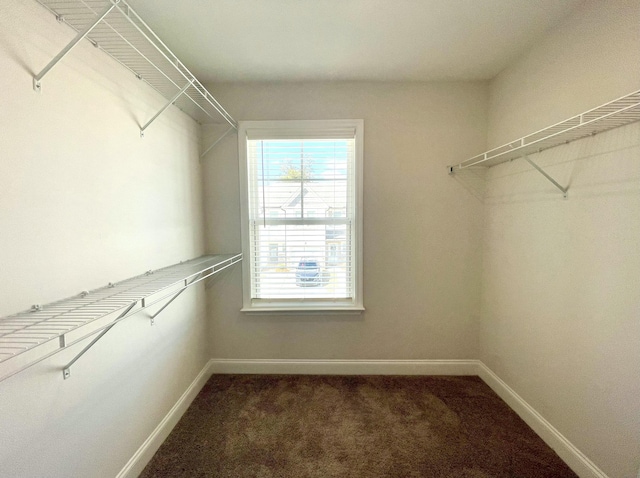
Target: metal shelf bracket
(66, 371)
(565, 190)
(45, 330)
(79, 37)
(171, 101)
(117, 30)
(616, 113)
(452, 169)
(217, 141)
(187, 283)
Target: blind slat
(301, 211)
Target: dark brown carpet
(329, 426)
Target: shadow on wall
(473, 180)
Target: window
(301, 215)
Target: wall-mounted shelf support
(115, 28)
(218, 140)
(29, 337)
(549, 178)
(66, 371)
(79, 37)
(616, 113)
(171, 101)
(186, 284)
(452, 169)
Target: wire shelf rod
(179, 66)
(120, 58)
(66, 370)
(619, 112)
(169, 103)
(169, 282)
(129, 40)
(81, 35)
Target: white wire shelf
(29, 337)
(114, 27)
(611, 115)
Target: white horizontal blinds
(301, 215)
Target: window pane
(312, 261)
(301, 206)
(299, 178)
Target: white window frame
(276, 129)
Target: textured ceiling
(392, 40)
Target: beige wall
(84, 201)
(421, 227)
(589, 59)
(561, 279)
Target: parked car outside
(308, 273)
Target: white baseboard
(576, 460)
(571, 455)
(346, 367)
(143, 455)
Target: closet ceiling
(294, 40)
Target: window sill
(357, 310)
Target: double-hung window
(301, 215)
